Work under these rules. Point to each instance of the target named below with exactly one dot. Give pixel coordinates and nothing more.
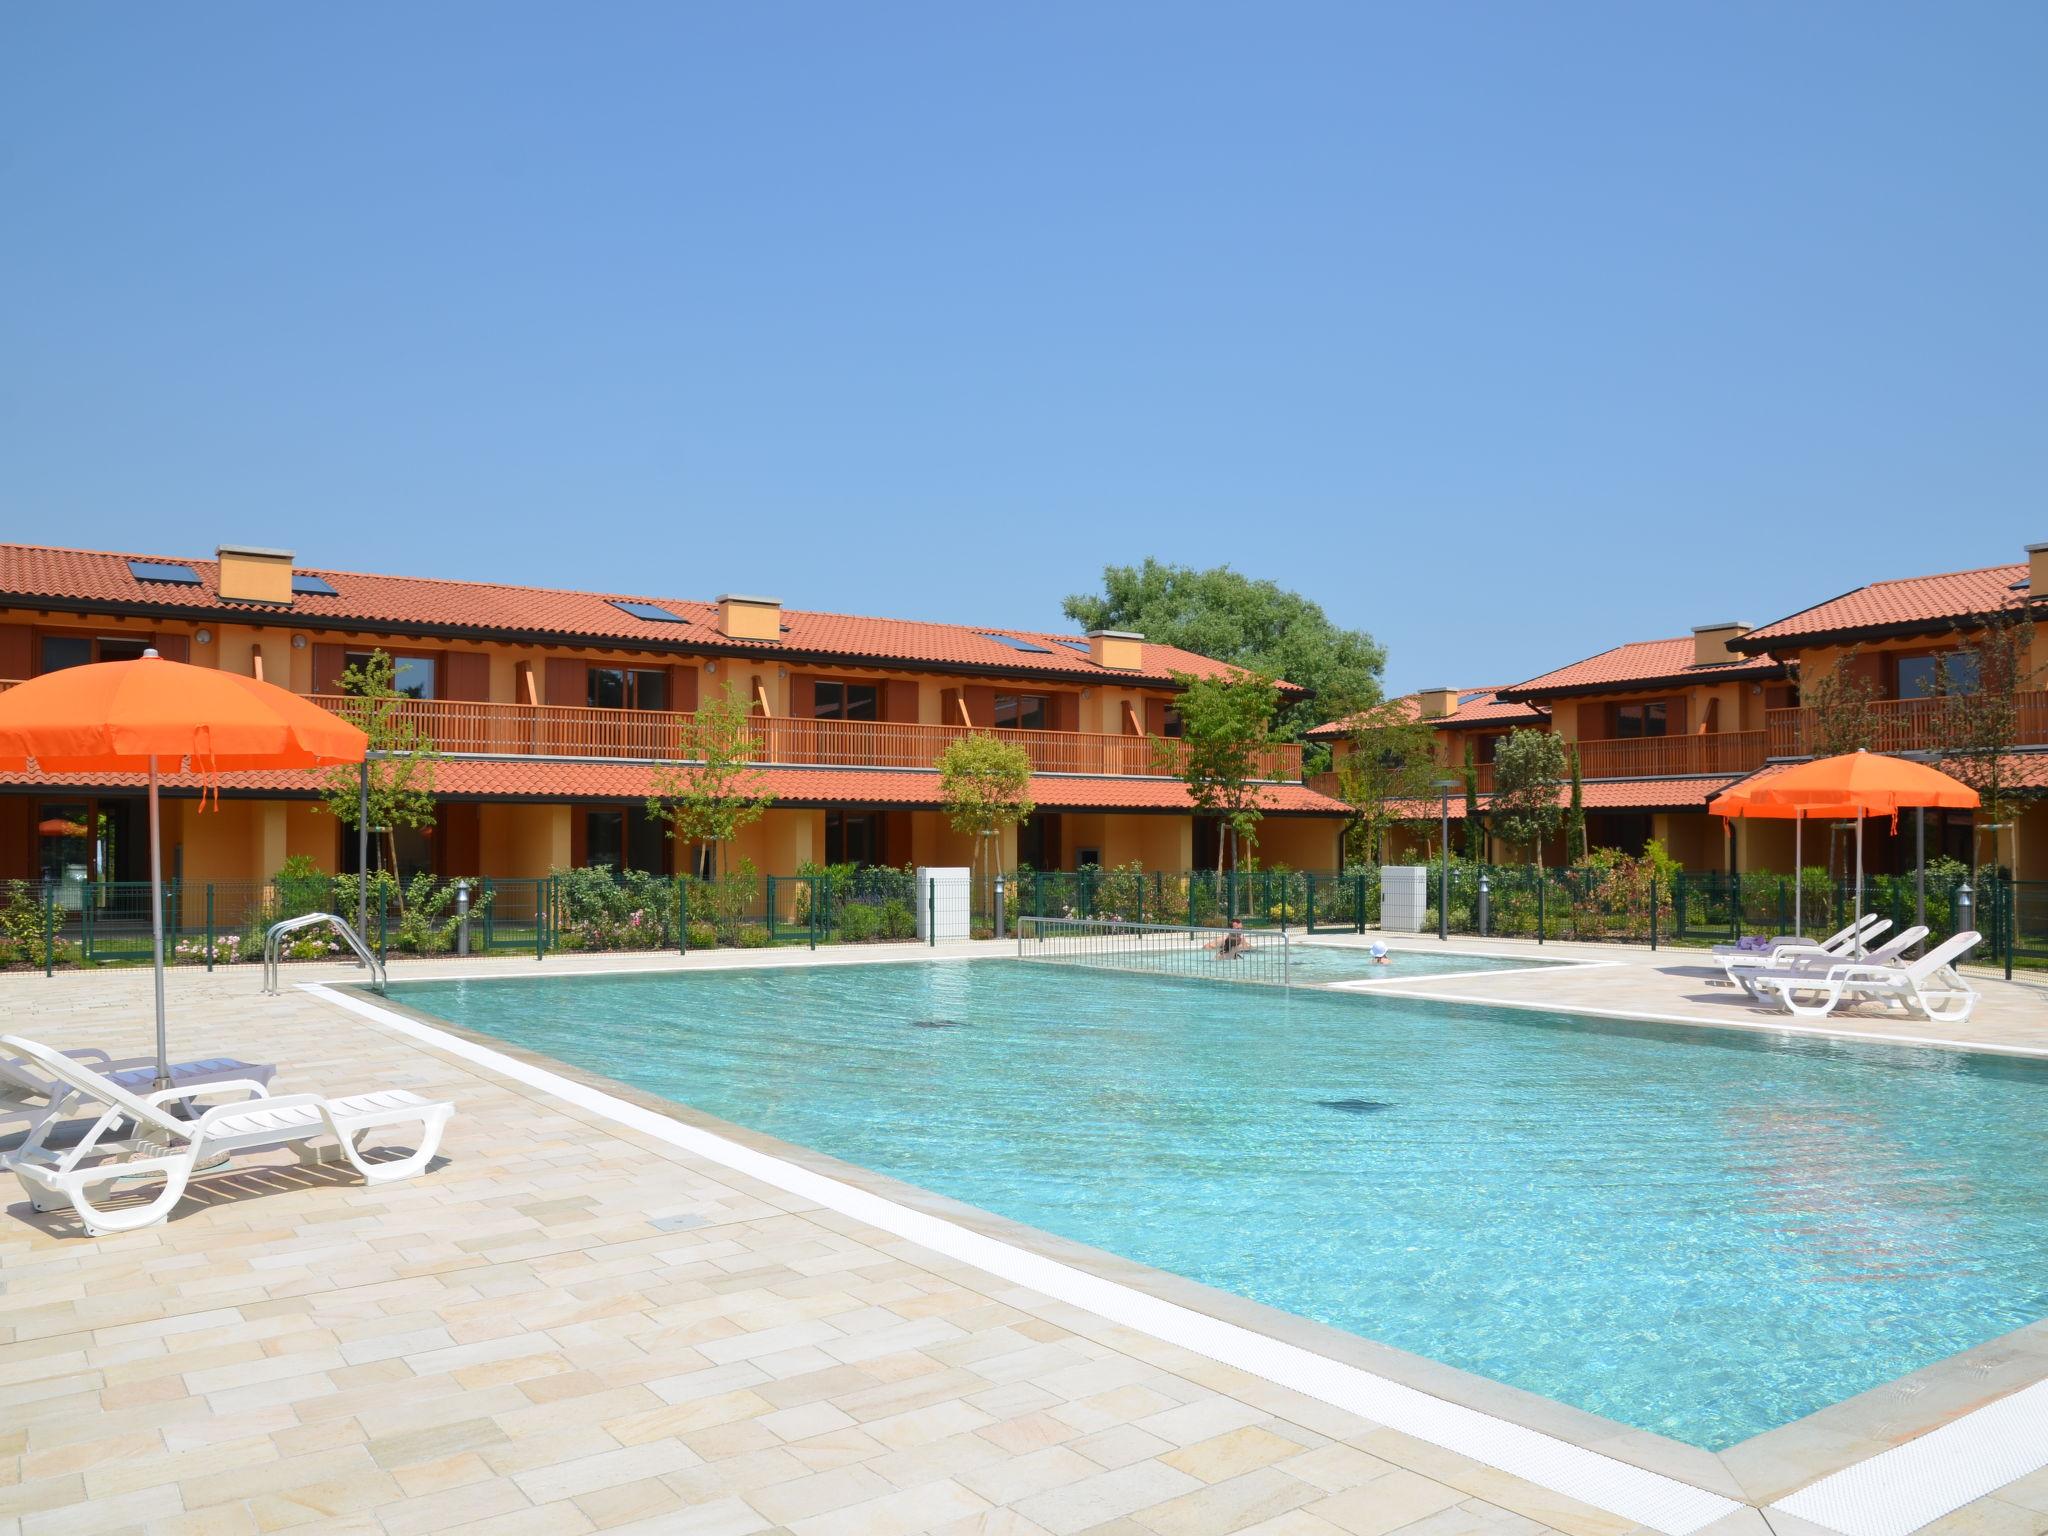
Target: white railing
(1159, 949)
(273, 941)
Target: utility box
(943, 908)
(1404, 897)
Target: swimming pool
(1315, 963)
(1701, 1233)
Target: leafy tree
(1392, 762)
(1527, 768)
(1979, 724)
(402, 758)
(1575, 817)
(1254, 624)
(1225, 729)
(1841, 704)
(984, 787)
(711, 792)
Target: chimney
(750, 618)
(2037, 572)
(252, 575)
(1435, 703)
(1710, 644)
(1116, 649)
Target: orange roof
(541, 779)
(103, 583)
(1476, 707)
(1910, 605)
(1674, 794)
(1639, 664)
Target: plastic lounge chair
(1744, 969)
(37, 1099)
(1869, 924)
(174, 1149)
(1929, 987)
(1814, 966)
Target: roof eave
(1639, 684)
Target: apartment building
(556, 708)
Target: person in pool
(1379, 954)
(1232, 944)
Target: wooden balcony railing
(1651, 757)
(556, 730)
(1900, 725)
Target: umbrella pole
(1798, 884)
(1858, 914)
(156, 924)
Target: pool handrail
(1205, 932)
(273, 938)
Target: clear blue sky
(1507, 332)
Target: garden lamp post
(1443, 900)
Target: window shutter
(682, 689)
(329, 662)
(1063, 711)
(579, 826)
(803, 696)
(981, 705)
(899, 700)
(568, 682)
(17, 651)
(170, 647)
(1155, 717)
(466, 675)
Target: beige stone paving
(568, 1327)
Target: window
(852, 837)
(305, 584)
(1634, 720)
(629, 839)
(61, 651)
(604, 839)
(1484, 747)
(627, 688)
(846, 701)
(411, 676)
(168, 575)
(1020, 711)
(1170, 726)
(1921, 677)
(653, 611)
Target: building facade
(556, 709)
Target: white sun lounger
(1930, 987)
(172, 1149)
(1869, 925)
(36, 1099)
(1744, 969)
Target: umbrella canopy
(1855, 784)
(137, 716)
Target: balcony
(1902, 725)
(555, 730)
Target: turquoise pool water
(1705, 1234)
(1405, 961)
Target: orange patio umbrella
(1734, 804)
(1866, 783)
(153, 715)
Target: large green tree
(1258, 625)
(984, 787)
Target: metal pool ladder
(273, 941)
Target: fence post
(1542, 887)
(931, 912)
(542, 899)
(49, 929)
(85, 907)
(682, 916)
(2012, 923)
(209, 927)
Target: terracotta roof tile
(1676, 794)
(1907, 604)
(1476, 707)
(1638, 664)
(429, 605)
(515, 779)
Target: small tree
(711, 792)
(985, 787)
(1226, 726)
(1842, 706)
(1575, 817)
(1979, 724)
(401, 763)
(1392, 763)
(1527, 769)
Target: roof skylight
(652, 611)
(1073, 645)
(1014, 643)
(159, 571)
(308, 585)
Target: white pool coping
(1891, 1494)
(1605, 1482)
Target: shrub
(981, 931)
(701, 935)
(752, 938)
(896, 920)
(859, 923)
(21, 923)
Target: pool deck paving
(568, 1325)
